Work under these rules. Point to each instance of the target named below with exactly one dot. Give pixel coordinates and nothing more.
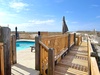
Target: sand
(25, 63)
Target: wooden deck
(75, 62)
(65, 54)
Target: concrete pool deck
(25, 63)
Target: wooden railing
(93, 66)
(46, 60)
(1, 59)
(50, 50)
(59, 45)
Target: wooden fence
(49, 51)
(93, 66)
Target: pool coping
(25, 40)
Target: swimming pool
(22, 45)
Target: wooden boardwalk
(75, 62)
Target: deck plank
(75, 62)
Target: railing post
(51, 61)
(78, 40)
(74, 38)
(38, 33)
(81, 38)
(89, 59)
(14, 57)
(37, 53)
(68, 42)
(11, 51)
(5, 38)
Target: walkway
(75, 62)
(25, 63)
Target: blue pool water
(22, 45)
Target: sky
(46, 15)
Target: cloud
(12, 26)
(18, 6)
(97, 16)
(29, 26)
(3, 2)
(35, 25)
(7, 17)
(2, 14)
(41, 21)
(95, 5)
(7, 14)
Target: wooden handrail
(94, 65)
(92, 61)
(40, 42)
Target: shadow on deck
(19, 69)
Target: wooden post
(14, 55)
(78, 40)
(42, 33)
(5, 38)
(68, 42)
(16, 32)
(38, 33)
(1, 59)
(89, 59)
(74, 38)
(37, 53)
(51, 61)
(11, 50)
(81, 38)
